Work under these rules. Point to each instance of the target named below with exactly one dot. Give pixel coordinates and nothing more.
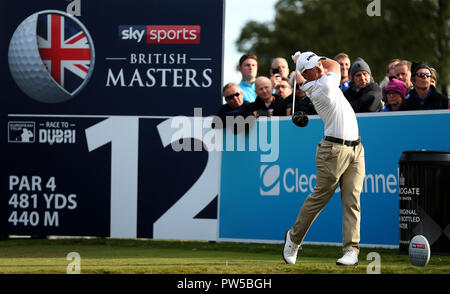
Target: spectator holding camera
(278, 71)
(424, 95)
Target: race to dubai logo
(51, 56)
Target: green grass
(144, 256)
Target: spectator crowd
(406, 86)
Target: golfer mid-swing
(339, 158)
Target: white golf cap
(307, 60)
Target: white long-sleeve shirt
(332, 106)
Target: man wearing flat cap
(424, 95)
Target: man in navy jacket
(424, 95)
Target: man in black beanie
(424, 95)
(364, 94)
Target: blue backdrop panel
(261, 199)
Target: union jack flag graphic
(64, 49)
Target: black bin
(424, 195)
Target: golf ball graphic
(51, 56)
(419, 251)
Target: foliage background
(415, 30)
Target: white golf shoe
(350, 258)
(290, 250)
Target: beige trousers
(336, 163)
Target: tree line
(415, 30)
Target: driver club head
(300, 119)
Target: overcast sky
(237, 13)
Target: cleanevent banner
(89, 93)
(268, 172)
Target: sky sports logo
(418, 246)
(160, 34)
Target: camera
(261, 112)
(275, 70)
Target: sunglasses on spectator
(237, 94)
(422, 75)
